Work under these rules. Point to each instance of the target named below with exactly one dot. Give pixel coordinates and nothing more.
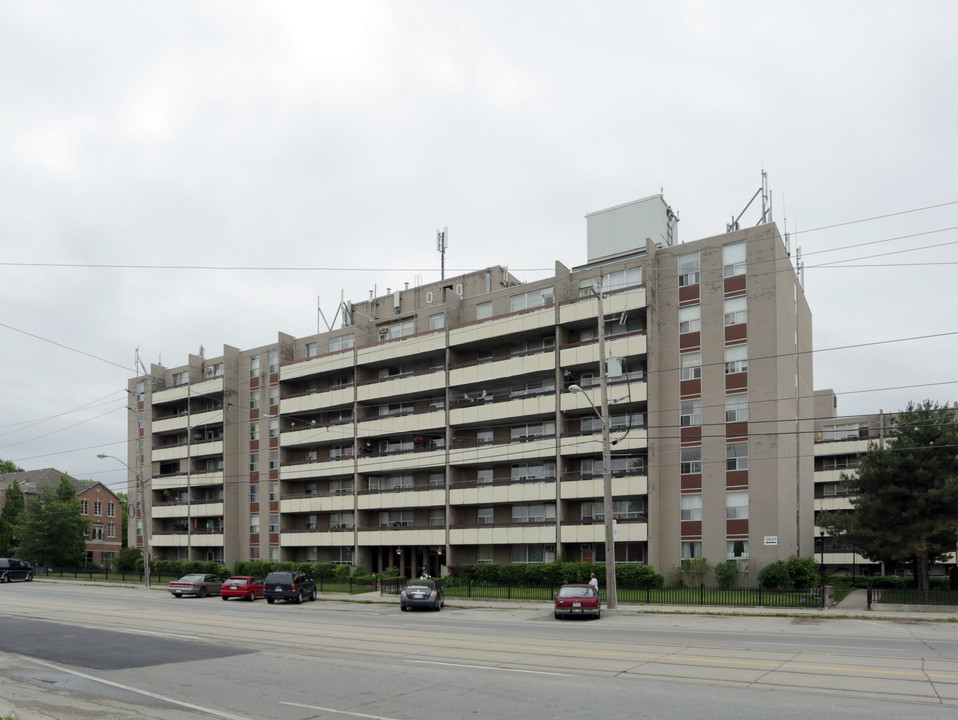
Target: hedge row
(554, 573)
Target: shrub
(128, 560)
(637, 576)
(803, 572)
(774, 575)
(695, 570)
(726, 574)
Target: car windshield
(570, 591)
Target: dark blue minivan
(12, 569)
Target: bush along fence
(904, 596)
(701, 596)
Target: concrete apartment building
(436, 426)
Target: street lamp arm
(578, 389)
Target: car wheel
(203, 592)
(4, 578)
(177, 596)
(29, 577)
(252, 597)
(403, 608)
(270, 600)
(224, 597)
(312, 595)
(598, 614)
(556, 615)
(299, 598)
(438, 607)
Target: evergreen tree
(906, 509)
(10, 518)
(53, 530)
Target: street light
(142, 505)
(821, 570)
(611, 599)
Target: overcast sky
(319, 145)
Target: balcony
(503, 491)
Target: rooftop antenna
(766, 206)
(442, 242)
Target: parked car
(289, 585)
(199, 585)
(421, 593)
(12, 569)
(577, 600)
(246, 587)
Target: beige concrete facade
(436, 427)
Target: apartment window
(341, 555)
(180, 379)
(254, 553)
(397, 329)
(311, 522)
(533, 553)
(341, 342)
(533, 471)
(254, 366)
(399, 408)
(691, 507)
(341, 487)
(533, 513)
(690, 319)
(84, 507)
(254, 462)
(111, 510)
(533, 430)
(736, 505)
(338, 452)
(436, 321)
(437, 479)
(485, 554)
(254, 431)
(736, 456)
(690, 414)
(311, 350)
(437, 517)
(254, 524)
(621, 279)
(274, 554)
(97, 508)
(274, 427)
(396, 518)
(111, 530)
(531, 299)
(140, 390)
(849, 431)
(254, 400)
(733, 259)
(629, 509)
(254, 493)
(140, 421)
(736, 549)
(691, 366)
(736, 311)
(484, 310)
(341, 520)
(213, 371)
(689, 269)
(484, 437)
(274, 491)
(691, 549)
(840, 462)
(274, 396)
(736, 359)
(273, 459)
(274, 523)
(274, 361)
(736, 407)
(96, 531)
(486, 516)
(484, 476)
(691, 463)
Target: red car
(577, 600)
(246, 587)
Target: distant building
(436, 425)
(98, 503)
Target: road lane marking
(334, 710)
(130, 688)
(487, 667)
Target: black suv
(289, 585)
(13, 569)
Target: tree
(10, 518)
(8, 466)
(906, 509)
(53, 530)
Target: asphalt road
(76, 651)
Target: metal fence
(898, 596)
(699, 596)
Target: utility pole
(141, 513)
